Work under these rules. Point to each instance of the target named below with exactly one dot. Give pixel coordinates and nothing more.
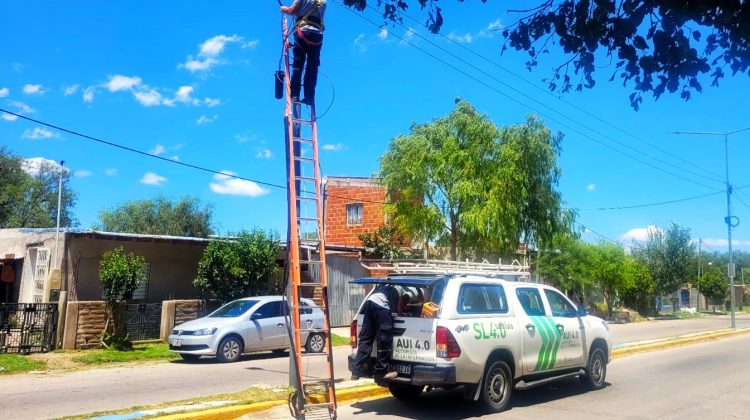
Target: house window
(40, 264)
(354, 214)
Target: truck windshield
(233, 309)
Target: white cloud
(82, 173)
(110, 171)
(32, 166)
(264, 154)
(408, 35)
(39, 133)
(210, 51)
(4, 92)
(251, 44)
(183, 94)
(496, 25)
(175, 157)
(148, 98)
(22, 107)
(212, 102)
(383, 34)
(226, 184)
(119, 82)
(591, 187)
(463, 39)
(639, 234)
(722, 242)
(150, 178)
(8, 117)
(159, 149)
(70, 90)
(359, 43)
(334, 147)
(206, 120)
(30, 89)
(88, 94)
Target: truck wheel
(497, 386)
(230, 350)
(405, 392)
(596, 369)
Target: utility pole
(59, 204)
(728, 220)
(698, 300)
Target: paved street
(700, 381)
(45, 395)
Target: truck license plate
(401, 369)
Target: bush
(120, 274)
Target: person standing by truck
(377, 324)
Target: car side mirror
(256, 315)
(582, 311)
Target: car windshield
(233, 309)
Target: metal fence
(344, 298)
(27, 327)
(144, 321)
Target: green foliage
(386, 242)
(13, 363)
(568, 265)
(657, 46)
(638, 290)
(609, 272)
(713, 285)
(462, 183)
(120, 274)
(28, 193)
(159, 216)
(241, 267)
(668, 257)
(140, 352)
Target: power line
(535, 86)
(660, 203)
(527, 106)
(538, 102)
(605, 237)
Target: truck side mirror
(582, 311)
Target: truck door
(568, 324)
(541, 337)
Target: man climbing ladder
(308, 41)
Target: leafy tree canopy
(713, 285)
(654, 46)
(120, 273)
(668, 255)
(240, 267)
(386, 242)
(29, 190)
(461, 182)
(159, 216)
(568, 265)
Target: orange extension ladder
(311, 373)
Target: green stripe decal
(545, 343)
(556, 345)
(551, 340)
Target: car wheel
(497, 386)
(596, 369)
(230, 350)
(316, 343)
(190, 357)
(405, 392)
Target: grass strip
(13, 363)
(140, 352)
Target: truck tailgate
(414, 340)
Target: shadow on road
(441, 404)
(244, 358)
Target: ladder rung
(314, 405)
(309, 285)
(307, 219)
(304, 159)
(309, 262)
(323, 353)
(299, 121)
(305, 178)
(303, 140)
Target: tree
(386, 242)
(120, 274)
(461, 182)
(609, 272)
(668, 257)
(567, 264)
(159, 216)
(239, 267)
(713, 285)
(656, 46)
(29, 190)
(638, 290)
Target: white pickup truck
(491, 336)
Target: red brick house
(353, 205)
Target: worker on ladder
(308, 41)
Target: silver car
(244, 326)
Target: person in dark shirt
(308, 41)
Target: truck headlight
(205, 331)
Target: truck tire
(596, 369)
(405, 392)
(497, 386)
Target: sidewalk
(628, 338)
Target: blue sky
(191, 81)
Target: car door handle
(280, 325)
(530, 327)
(560, 327)
(309, 321)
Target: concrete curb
(231, 412)
(375, 391)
